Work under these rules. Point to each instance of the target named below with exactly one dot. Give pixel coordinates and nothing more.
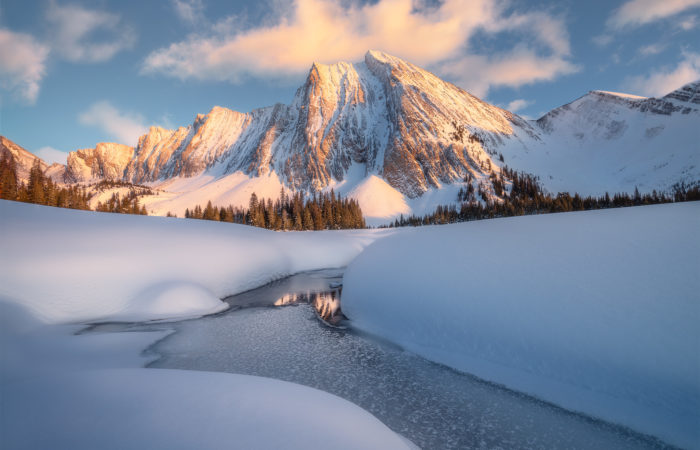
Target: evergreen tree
(35, 186)
(9, 185)
(210, 212)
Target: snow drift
(595, 311)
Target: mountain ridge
(386, 128)
(388, 114)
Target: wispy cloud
(51, 155)
(74, 32)
(602, 40)
(688, 23)
(518, 105)
(652, 49)
(190, 12)
(126, 128)
(328, 31)
(641, 12)
(22, 64)
(663, 81)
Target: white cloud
(51, 155)
(652, 49)
(190, 11)
(518, 104)
(74, 29)
(516, 68)
(329, 31)
(641, 12)
(663, 81)
(602, 40)
(126, 128)
(688, 23)
(22, 64)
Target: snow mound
(595, 311)
(378, 199)
(171, 300)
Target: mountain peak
(381, 56)
(689, 93)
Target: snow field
(596, 311)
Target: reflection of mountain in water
(326, 304)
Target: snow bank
(595, 311)
(173, 409)
(29, 348)
(84, 392)
(77, 266)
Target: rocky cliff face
(107, 161)
(401, 122)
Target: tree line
(527, 197)
(321, 211)
(39, 188)
(328, 211)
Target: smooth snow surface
(595, 311)
(177, 194)
(77, 266)
(378, 200)
(173, 409)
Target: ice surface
(595, 311)
(436, 407)
(77, 266)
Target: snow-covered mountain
(397, 121)
(606, 141)
(401, 140)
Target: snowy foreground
(598, 311)
(60, 390)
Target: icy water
(274, 332)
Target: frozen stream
(432, 405)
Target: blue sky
(74, 73)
